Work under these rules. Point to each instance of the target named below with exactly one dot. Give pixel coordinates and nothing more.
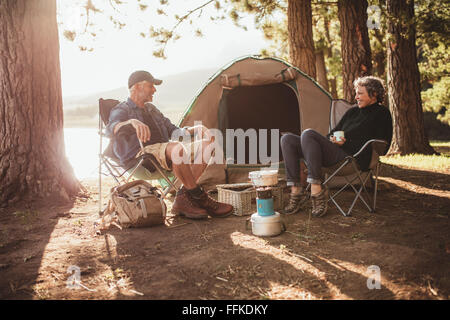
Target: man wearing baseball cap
(154, 130)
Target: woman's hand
(339, 143)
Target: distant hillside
(175, 92)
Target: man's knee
(206, 143)
(175, 152)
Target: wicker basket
(242, 196)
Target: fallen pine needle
(136, 292)
(299, 256)
(83, 286)
(178, 225)
(431, 289)
(222, 279)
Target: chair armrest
(368, 143)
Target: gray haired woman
(364, 121)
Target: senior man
(154, 130)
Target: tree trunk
(321, 70)
(300, 32)
(333, 82)
(32, 156)
(355, 45)
(404, 81)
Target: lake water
(82, 149)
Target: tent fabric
(314, 102)
(252, 79)
(260, 93)
(244, 107)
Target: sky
(117, 53)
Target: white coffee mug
(339, 135)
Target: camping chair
(349, 169)
(136, 169)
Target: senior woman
(364, 121)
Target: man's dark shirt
(361, 125)
(126, 146)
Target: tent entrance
(273, 106)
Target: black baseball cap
(142, 75)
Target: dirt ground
(316, 258)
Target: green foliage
(437, 98)
(433, 40)
(326, 29)
(377, 38)
(432, 23)
(276, 32)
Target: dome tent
(260, 93)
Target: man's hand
(339, 143)
(142, 130)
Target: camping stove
(265, 222)
(264, 201)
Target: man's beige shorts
(158, 150)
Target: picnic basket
(242, 196)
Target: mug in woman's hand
(339, 135)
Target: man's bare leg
(184, 172)
(181, 169)
(201, 161)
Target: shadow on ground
(316, 258)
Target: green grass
(440, 144)
(440, 163)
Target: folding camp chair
(135, 169)
(349, 169)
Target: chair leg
(357, 195)
(100, 163)
(115, 174)
(100, 189)
(134, 169)
(334, 195)
(164, 176)
(369, 196)
(363, 187)
(357, 191)
(376, 186)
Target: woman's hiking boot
(297, 202)
(320, 203)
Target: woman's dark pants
(317, 151)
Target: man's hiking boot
(214, 208)
(184, 205)
(296, 203)
(320, 203)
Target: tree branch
(180, 20)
